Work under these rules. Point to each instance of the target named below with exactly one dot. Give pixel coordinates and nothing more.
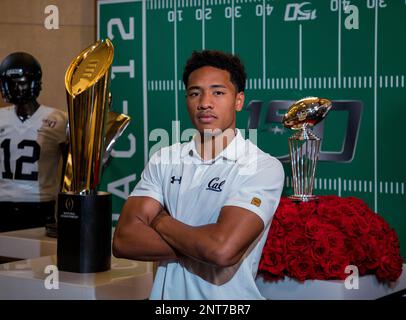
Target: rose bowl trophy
(84, 216)
(304, 145)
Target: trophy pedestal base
(303, 197)
(84, 232)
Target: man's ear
(239, 101)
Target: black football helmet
(20, 78)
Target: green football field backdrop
(351, 52)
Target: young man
(30, 138)
(203, 208)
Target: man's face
(19, 91)
(212, 99)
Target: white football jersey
(30, 153)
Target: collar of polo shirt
(232, 152)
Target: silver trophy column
(304, 145)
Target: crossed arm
(145, 231)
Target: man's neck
(26, 110)
(209, 146)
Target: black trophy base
(84, 232)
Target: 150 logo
(299, 11)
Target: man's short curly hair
(220, 60)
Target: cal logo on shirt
(256, 201)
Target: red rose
(336, 242)
(287, 217)
(392, 243)
(373, 253)
(327, 212)
(289, 223)
(377, 223)
(355, 225)
(296, 242)
(320, 251)
(274, 243)
(358, 205)
(325, 230)
(312, 226)
(336, 267)
(299, 266)
(276, 230)
(319, 271)
(356, 252)
(347, 209)
(307, 209)
(390, 268)
(273, 263)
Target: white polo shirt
(194, 191)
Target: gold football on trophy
(306, 112)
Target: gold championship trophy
(304, 145)
(84, 218)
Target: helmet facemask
(20, 78)
(19, 91)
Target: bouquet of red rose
(319, 239)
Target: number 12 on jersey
(19, 175)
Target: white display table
(368, 289)
(26, 279)
(26, 244)
(129, 279)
